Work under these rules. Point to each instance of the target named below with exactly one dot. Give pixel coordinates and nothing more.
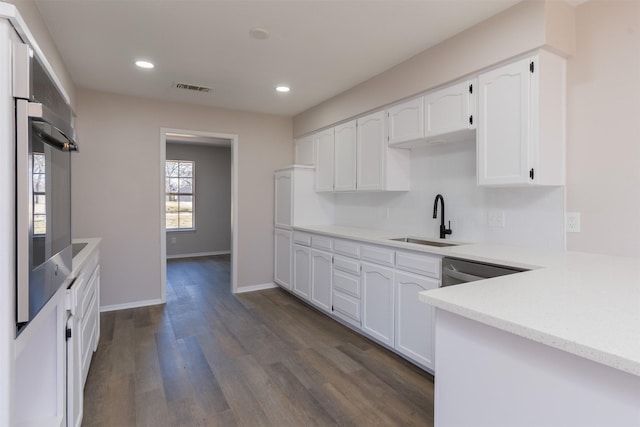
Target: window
(39, 195)
(179, 199)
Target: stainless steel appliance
(456, 271)
(44, 140)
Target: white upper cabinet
(345, 157)
(450, 111)
(521, 126)
(406, 121)
(379, 168)
(371, 151)
(324, 146)
(446, 114)
(305, 154)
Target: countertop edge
(80, 259)
(572, 347)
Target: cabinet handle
(471, 120)
(531, 175)
(531, 67)
(470, 88)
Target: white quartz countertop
(84, 254)
(584, 304)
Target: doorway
(204, 139)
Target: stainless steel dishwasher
(456, 271)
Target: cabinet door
(324, 144)
(449, 110)
(321, 279)
(371, 152)
(283, 199)
(305, 154)
(345, 157)
(282, 258)
(406, 121)
(377, 302)
(302, 271)
(414, 321)
(504, 128)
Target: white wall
(533, 216)
(212, 194)
(116, 191)
(603, 150)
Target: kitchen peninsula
(555, 346)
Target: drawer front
(302, 238)
(378, 255)
(418, 263)
(346, 264)
(87, 293)
(321, 242)
(88, 331)
(343, 247)
(346, 306)
(346, 283)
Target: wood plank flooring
(209, 358)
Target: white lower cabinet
(282, 261)
(321, 279)
(302, 271)
(414, 320)
(377, 303)
(346, 287)
(373, 288)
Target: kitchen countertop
(585, 304)
(81, 257)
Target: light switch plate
(495, 218)
(573, 222)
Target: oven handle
(466, 277)
(41, 113)
(22, 210)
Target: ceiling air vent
(194, 88)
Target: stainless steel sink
(423, 242)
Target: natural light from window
(179, 199)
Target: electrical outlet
(495, 218)
(573, 222)
(173, 240)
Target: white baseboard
(127, 305)
(198, 254)
(254, 288)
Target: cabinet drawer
(346, 264)
(87, 294)
(88, 332)
(346, 306)
(346, 283)
(302, 238)
(419, 263)
(344, 247)
(321, 242)
(378, 255)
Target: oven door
(43, 166)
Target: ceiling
(319, 48)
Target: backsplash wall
(534, 217)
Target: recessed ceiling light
(259, 33)
(283, 88)
(144, 64)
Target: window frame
(179, 193)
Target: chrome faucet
(443, 230)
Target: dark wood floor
(210, 358)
